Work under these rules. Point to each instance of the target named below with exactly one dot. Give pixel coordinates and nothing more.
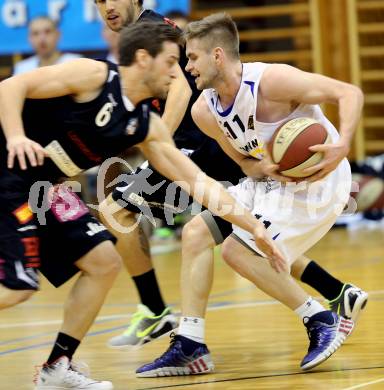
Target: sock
(309, 308)
(319, 279)
(193, 328)
(149, 292)
(64, 346)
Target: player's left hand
(268, 247)
(333, 154)
(24, 150)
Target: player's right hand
(270, 169)
(24, 148)
(269, 248)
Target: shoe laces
(172, 350)
(318, 335)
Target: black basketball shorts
(49, 243)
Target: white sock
(309, 308)
(192, 328)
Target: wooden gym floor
(256, 343)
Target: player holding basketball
(153, 317)
(241, 106)
(79, 114)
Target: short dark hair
(149, 36)
(216, 29)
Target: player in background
(43, 36)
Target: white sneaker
(62, 375)
(144, 327)
(350, 302)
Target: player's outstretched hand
(333, 154)
(269, 248)
(22, 147)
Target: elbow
(5, 87)
(359, 95)
(185, 87)
(5, 83)
(351, 95)
(12, 84)
(187, 91)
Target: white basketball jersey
(296, 215)
(239, 121)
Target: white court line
(120, 316)
(364, 384)
(55, 322)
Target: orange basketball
(289, 146)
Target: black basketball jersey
(188, 135)
(79, 136)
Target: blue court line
(36, 346)
(36, 336)
(12, 341)
(55, 332)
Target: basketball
(289, 146)
(370, 195)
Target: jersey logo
(23, 214)
(29, 278)
(254, 149)
(131, 126)
(94, 228)
(251, 124)
(60, 157)
(156, 104)
(251, 85)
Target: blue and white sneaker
(183, 357)
(326, 331)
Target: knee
(109, 266)
(9, 298)
(108, 209)
(228, 253)
(196, 235)
(102, 262)
(104, 209)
